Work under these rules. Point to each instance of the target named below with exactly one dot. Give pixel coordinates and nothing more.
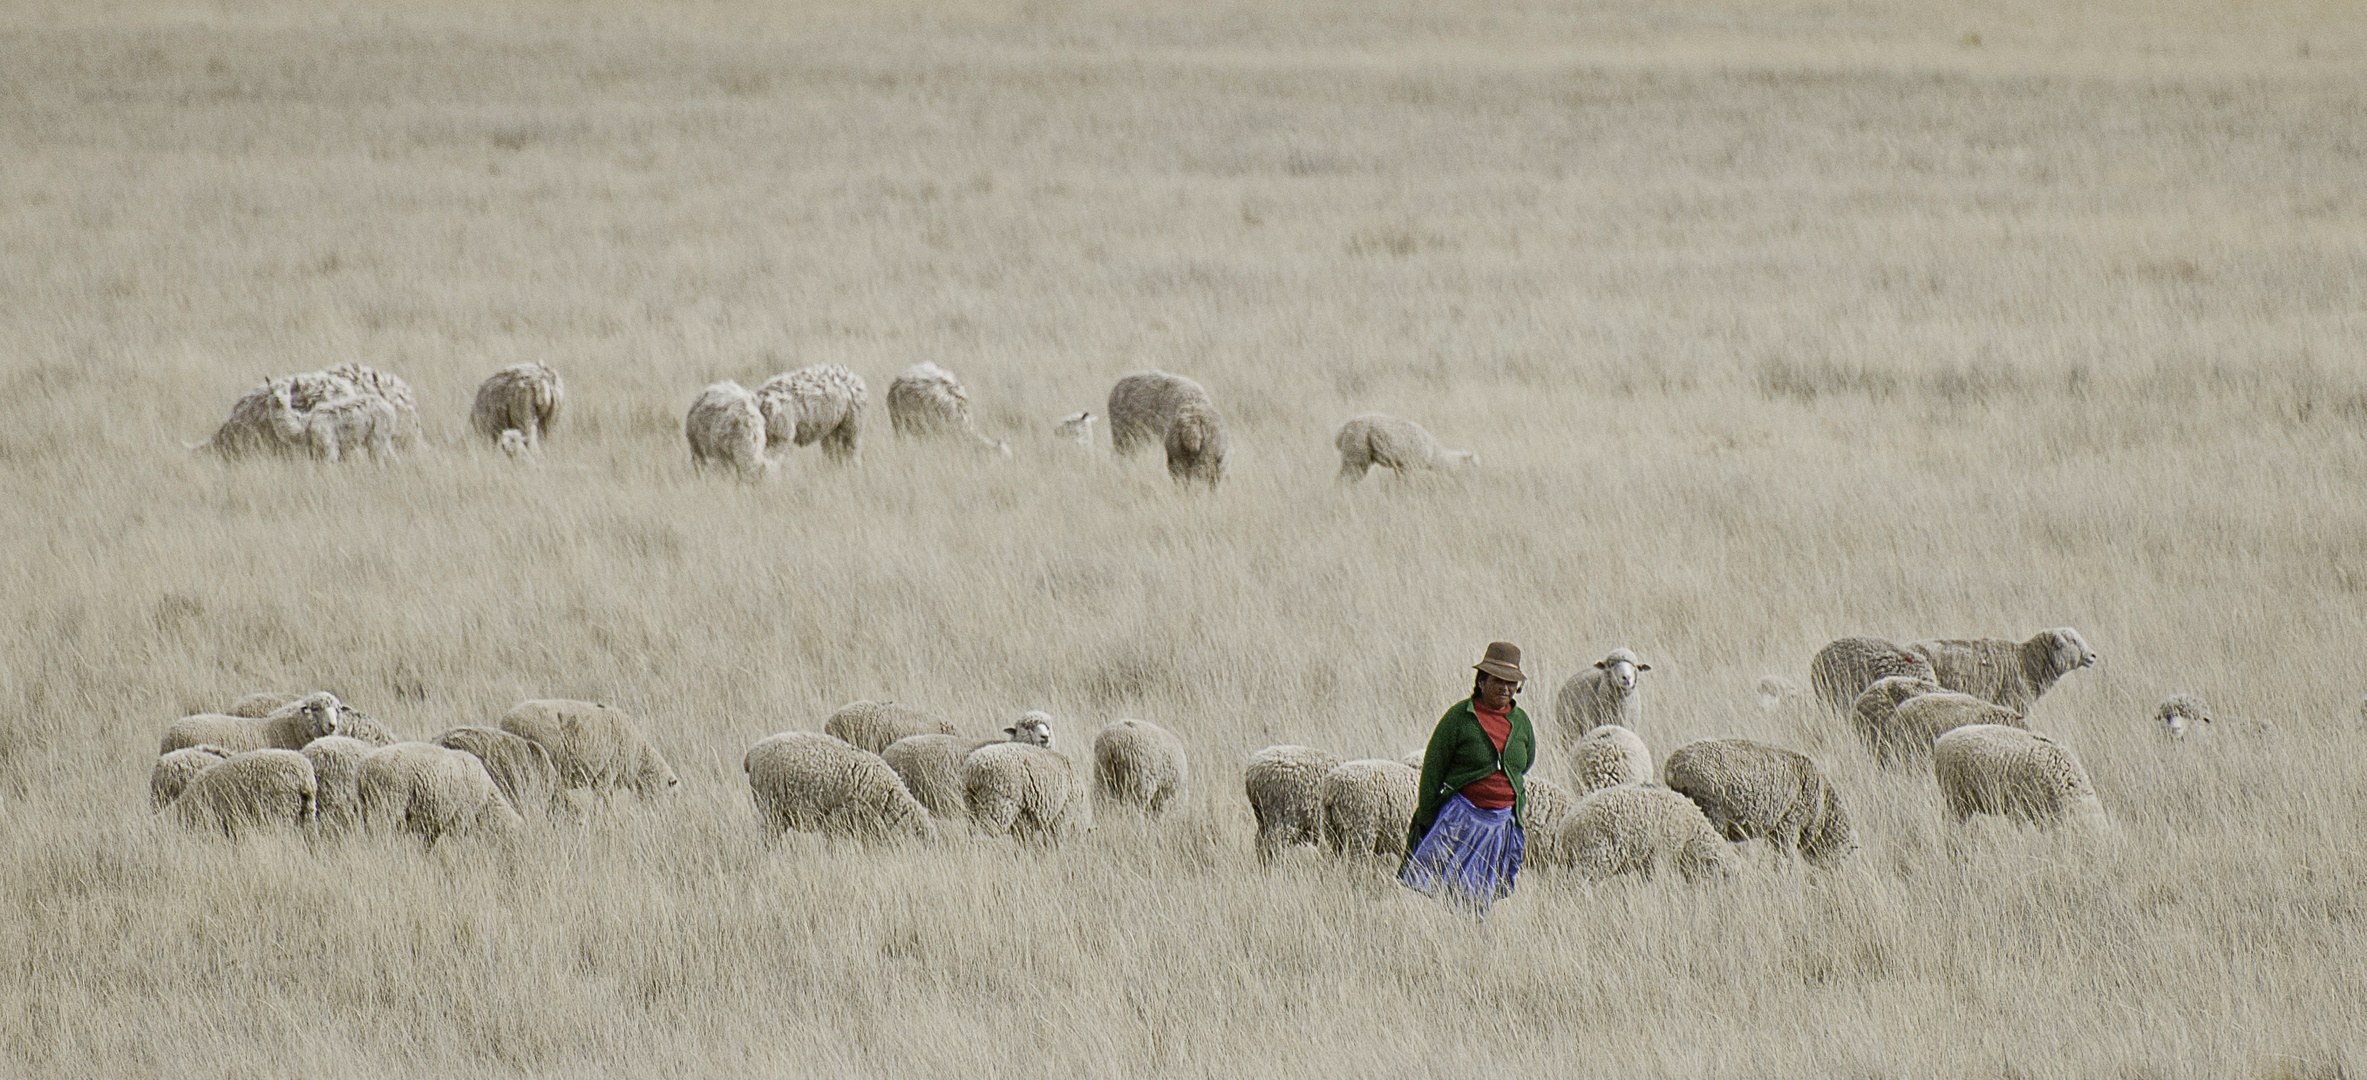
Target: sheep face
(322, 714)
(2067, 652)
(1621, 667)
(2179, 712)
(1034, 729)
(652, 776)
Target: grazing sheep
(1870, 714)
(872, 725)
(1906, 740)
(1602, 694)
(1994, 769)
(1608, 756)
(520, 767)
(927, 402)
(336, 427)
(337, 768)
(1140, 764)
(361, 725)
(1637, 829)
(1545, 805)
(1284, 785)
(1076, 428)
(594, 747)
(432, 792)
(2011, 674)
(175, 770)
(1844, 668)
(725, 427)
(1030, 792)
(1750, 789)
(524, 398)
(930, 764)
(260, 419)
(818, 783)
(823, 403)
(288, 727)
(1392, 443)
(1367, 805)
(259, 704)
(384, 385)
(1196, 444)
(258, 789)
(1143, 405)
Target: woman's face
(1496, 693)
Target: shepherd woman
(1465, 841)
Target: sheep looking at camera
(1196, 444)
(930, 764)
(287, 727)
(1602, 694)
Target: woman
(1465, 841)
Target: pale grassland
(1771, 322)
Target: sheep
(513, 445)
(1636, 829)
(2011, 674)
(812, 782)
(1392, 443)
(930, 764)
(2179, 712)
(725, 427)
(2011, 771)
(1749, 789)
(338, 426)
(1140, 764)
(594, 747)
(872, 725)
(1367, 804)
(1544, 807)
(288, 727)
(1606, 757)
(1906, 740)
(432, 792)
(823, 403)
(1029, 792)
(256, 789)
(173, 772)
(524, 398)
(926, 401)
(357, 724)
(388, 387)
(337, 768)
(1602, 694)
(1076, 428)
(268, 418)
(259, 704)
(1845, 667)
(520, 767)
(1284, 785)
(1196, 444)
(1870, 714)
(1142, 407)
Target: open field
(1771, 322)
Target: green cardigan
(1460, 755)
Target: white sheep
(1545, 806)
(1844, 668)
(594, 747)
(432, 792)
(1196, 444)
(1994, 769)
(2179, 713)
(812, 782)
(1076, 428)
(1608, 756)
(268, 418)
(350, 721)
(337, 769)
(384, 385)
(873, 725)
(1638, 829)
(288, 727)
(520, 767)
(927, 402)
(930, 764)
(524, 398)
(1393, 443)
(1749, 789)
(1142, 406)
(2010, 673)
(1916, 722)
(725, 427)
(259, 704)
(1602, 694)
(1870, 714)
(173, 772)
(1139, 764)
(1284, 785)
(257, 789)
(340, 426)
(823, 403)
(1367, 805)
(1030, 792)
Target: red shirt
(1493, 791)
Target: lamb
(524, 398)
(388, 387)
(1367, 804)
(1870, 714)
(1750, 789)
(1844, 668)
(594, 747)
(1602, 694)
(1637, 829)
(872, 725)
(288, 727)
(930, 764)
(1608, 756)
(432, 792)
(1142, 407)
(257, 789)
(1284, 785)
(337, 768)
(336, 427)
(1196, 444)
(1393, 443)
(823, 403)
(2008, 673)
(725, 427)
(1925, 717)
(1030, 792)
(1994, 769)
(927, 402)
(1076, 428)
(1140, 764)
(520, 767)
(173, 772)
(818, 783)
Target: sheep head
(2179, 712)
(1033, 728)
(1621, 667)
(2066, 652)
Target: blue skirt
(1469, 855)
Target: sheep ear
(1602, 663)
(1643, 667)
(1012, 730)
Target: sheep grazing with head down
(1076, 428)
(337, 427)
(288, 727)
(930, 764)
(1602, 694)
(1393, 443)
(1368, 805)
(1639, 829)
(524, 398)
(873, 725)
(175, 770)
(2013, 674)
(812, 782)
(520, 767)
(1196, 444)
(1844, 668)
(1905, 741)
(2014, 772)
(927, 402)
(1750, 789)
(1284, 785)
(337, 769)
(388, 387)
(823, 403)
(1143, 406)
(594, 747)
(1608, 756)
(1870, 714)
(1029, 792)
(269, 418)
(432, 792)
(255, 790)
(1545, 806)
(1140, 764)
(725, 428)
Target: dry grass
(1772, 321)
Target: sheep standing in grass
(258, 789)
(823, 403)
(1906, 740)
(269, 418)
(173, 772)
(1750, 789)
(288, 727)
(1993, 769)
(1602, 694)
(1844, 668)
(2011, 674)
(1392, 443)
(1870, 714)
(927, 402)
(1368, 805)
(817, 783)
(388, 387)
(520, 767)
(930, 764)
(1637, 829)
(1196, 444)
(594, 747)
(873, 725)
(725, 427)
(1606, 757)
(1076, 428)
(337, 770)
(1142, 406)
(1545, 806)
(1030, 792)
(1284, 785)
(1139, 764)
(432, 792)
(524, 398)
(338, 427)
(2179, 714)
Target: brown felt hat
(1503, 662)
